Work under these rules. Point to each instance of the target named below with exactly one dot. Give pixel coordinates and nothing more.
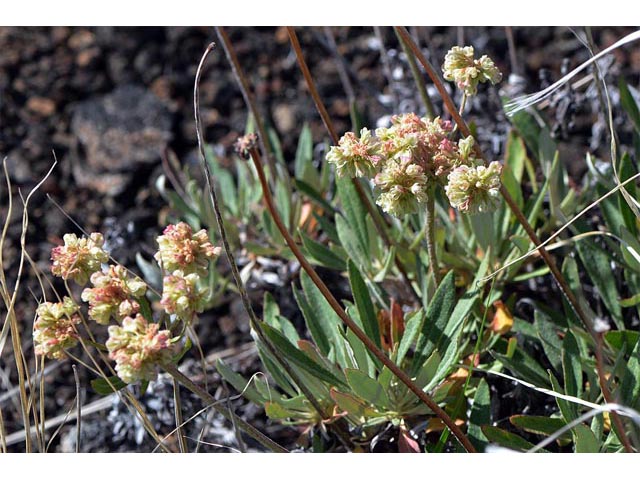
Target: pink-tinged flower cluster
(138, 348)
(113, 294)
(182, 296)
(404, 160)
(54, 329)
(461, 67)
(355, 157)
(179, 249)
(78, 258)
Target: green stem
(430, 235)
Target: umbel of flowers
(114, 294)
(54, 330)
(136, 343)
(138, 347)
(414, 155)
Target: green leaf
(276, 411)
(321, 254)
(323, 322)
(597, 264)
(355, 407)
(350, 242)
(413, 322)
(299, 358)
(521, 364)
(367, 389)
(540, 425)
(547, 332)
(585, 440)
(630, 384)
(362, 298)
(480, 415)
(506, 439)
(571, 367)
(437, 318)
(354, 211)
(303, 165)
(106, 386)
(629, 104)
(619, 339)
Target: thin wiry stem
(335, 305)
(373, 211)
(78, 408)
(253, 319)
(557, 274)
(256, 434)
(249, 99)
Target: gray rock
(117, 134)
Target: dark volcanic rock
(118, 133)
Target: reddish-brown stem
(249, 100)
(557, 274)
(373, 212)
(369, 343)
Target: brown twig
(555, 271)
(373, 211)
(249, 100)
(335, 305)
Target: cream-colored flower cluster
(78, 258)
(461, 67)
(185, 257)
(138, 347)
(114, 294)
(408, 158)
(181, 249)
(54, 329)
(136, 343)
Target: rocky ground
(109, 103)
